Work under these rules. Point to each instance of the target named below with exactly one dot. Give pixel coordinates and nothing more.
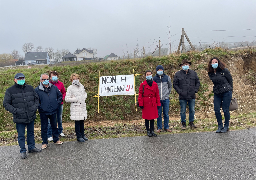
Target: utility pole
(159, 48)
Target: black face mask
(150, 82)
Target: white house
(84, 54)
(36, 58)
(112, 56)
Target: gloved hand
(158, 107)
(141, 107)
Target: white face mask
(75, 82)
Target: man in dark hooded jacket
(164, 85)
(22, 101)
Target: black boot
(80, 140)
(225, 129)
(23, 155)
(149, 134)
(86, 139)
(183, 127)
(192, 125)
(153, 134)
(219, 129)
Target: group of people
(23, 101)
(154, 95)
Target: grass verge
(244, 121)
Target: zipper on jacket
(161, 87)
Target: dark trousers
(222, 100)
(44, 127)
(79, 128)
(151, 124)
(30, 136)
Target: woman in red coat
(149, 102)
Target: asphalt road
(172, 156)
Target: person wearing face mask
(53, 75)
(76, 95)
(186, 83)
(50, 99)
(149, 102)
(22, 101)
(222, 89)
(164, 85)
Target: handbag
(233, 105)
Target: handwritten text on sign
(116, 85)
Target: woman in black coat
(222, 89)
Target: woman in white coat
(76, 95)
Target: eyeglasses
(45, 79)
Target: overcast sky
(118, 25)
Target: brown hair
(72, 75)
(221, 65)
(54, 73)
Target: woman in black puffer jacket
(222, 89)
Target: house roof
(35, 55)
(69, 55)
(112, 55)
(80, 50)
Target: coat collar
(41, 86)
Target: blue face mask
(149, 77)
(186, 67)
(215, 65)
(45, 82)
(160, 73)
(54, 78)
(21, 82)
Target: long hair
(221, 65)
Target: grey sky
(108, 25)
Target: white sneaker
(62, 134)
(50, 139)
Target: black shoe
(183, 127)
(149, 134)
(23, 155)
(35, 150)
(153, 134)
(224, 130)
(80, 140)
(86, 139)
(219, 129)
(192, 125)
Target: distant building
(84, 54)
(36, 58)
(69, 57)
(112, 56)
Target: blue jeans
(165, 107)
(222, 100)
(44, 126)
(191, 105)
(30, 136)
(59, 120)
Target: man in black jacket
(50, 99)
(186, 83)
(22, 101)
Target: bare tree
(15, 54)
(50, 52)
(28, 47)
(64, 52)
(39, 49)
(57, 56)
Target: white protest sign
(116, 85)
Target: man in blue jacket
(22, 101)
(49, 100)
(164, 85)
